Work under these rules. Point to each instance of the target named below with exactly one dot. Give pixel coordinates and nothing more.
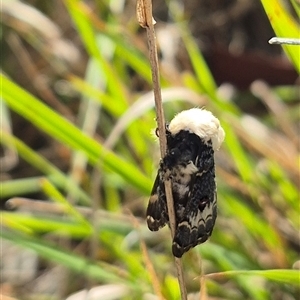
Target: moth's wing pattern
(199, 216)
(157, 213)
(192, 137)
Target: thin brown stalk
(145, 18)
(39, 206)
(203, 291)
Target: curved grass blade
(42, 164)
(59, 128)
(285, 27)
(70, 260)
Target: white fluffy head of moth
(200, 122)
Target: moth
(192, 137)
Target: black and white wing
(157, 213)
(198, 218)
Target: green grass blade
(43, 224)
(40, 163)
(81, 17)
(284, 26)
(52, 123)
(134, 59)
(97, 95)
(57, 197)
(257, 226)
(67, 259)
(296, 7)
(201, 69)
(19, 187)
(239, 156)
(14, 224)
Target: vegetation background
(78, 157)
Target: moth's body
(189, 164)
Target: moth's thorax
(199, 122)
(185, 145)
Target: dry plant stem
(148, 23)
(39, 206)
(203, 291)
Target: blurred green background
(78, 154)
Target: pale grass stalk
(144, 15)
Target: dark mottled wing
(157, 213)
(197, 222)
